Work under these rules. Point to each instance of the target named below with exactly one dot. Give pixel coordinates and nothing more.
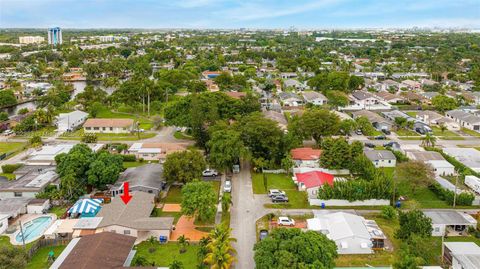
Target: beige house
(114, 126)
(155, 151)
(134, 219)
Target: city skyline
(218, 14)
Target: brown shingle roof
(103, 250)
(108, 123)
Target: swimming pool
(33, 229)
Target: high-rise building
(31, 39)
(55, 36)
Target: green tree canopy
(292, 248)
(199, 200)
(184, 166)
(414, 222)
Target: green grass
(470, 132)
(39, 260)
(165, 254)
(132, 164)
(174, 195)
(9, 176)
(422, 198)
(405, 132)
(411, 114)
(296, 199)
(274, 181)
(58, 210)
(157, 212)
(43, 132)
(182, 136)
(438, 132)
(11, 147)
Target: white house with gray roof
(381, 158)
(315, 98)
(465, 119)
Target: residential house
(67, 122)
(388, 84)
(433, 118)
(461, 255)
(13, 207)
(465, 119)
(114, 126)
(440, 166)
(210, 74)
(293, 84)
(467, 156)
(429, 95)
(315, 98)
(212, 86)
(155, 151)
(312, 181)
(411, 84)
(381, 158)
(147, 178)
(3, 223)
(450, 223)
(351, 233)
(46, 155)
(278, 117)
(389, 97)
(364, 100)
(236, 95)
(134, 218)
(28, 185)
(287, 75)
(290, 99)
(306, 157)
(413, 97)
(105, 250)
(376, 120)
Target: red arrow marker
(125, 196)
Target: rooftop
(148, 175)
(135, 215)
(305, 154)
(375, 155)
(450, 217)
(33, 182)
(103, 250)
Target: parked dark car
(392, 144)
(369, 145)
(380, 137)
(385, 131)
(420, 131)
(279, 199)
(263, 234)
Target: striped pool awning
(86, 206)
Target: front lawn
(40, 259)
(405, 132)
(43, 132)
(438, 132)
(11, 147)
(182, 136)
(422, 198)
(470, 132)
(296, 199)
(164, 254)
(274, 181)
(174, 195)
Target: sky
(301, 14)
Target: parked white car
(285, 221)
(275, 192)
(8, 132)
(228, 186)
(210, 173)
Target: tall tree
(414, 222)
(225, 148)
(199, 200)
(184, 166)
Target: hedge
(129, 158)
(10, 168)
(463, 199)
(358, 190)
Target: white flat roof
(463, 247)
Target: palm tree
(203, 247)
(221, 257)
(226, 202)
(443, 128)
(221, 253)
(183, 242)
(428, 140)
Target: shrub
(89, 138)
(129, 158)
(463, 199)
(389, 213)
(35, 140)
(358, 190)
(10, 168)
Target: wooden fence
(47, 243)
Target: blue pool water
(34, 228)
